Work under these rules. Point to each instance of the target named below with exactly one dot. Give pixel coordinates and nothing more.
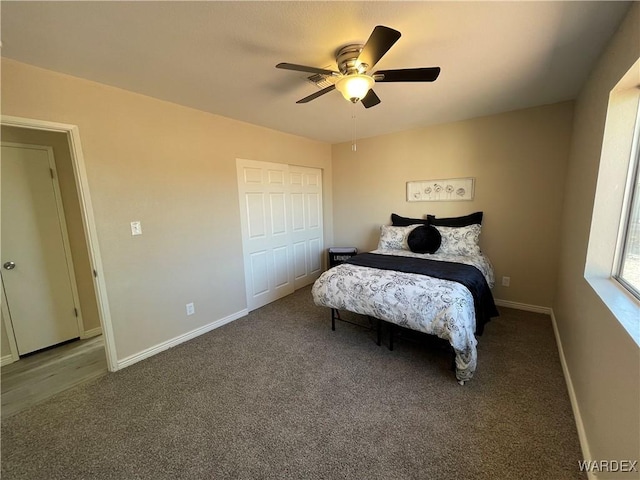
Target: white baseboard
(6, 360)
(94, 332)
(149, 352)
(582, 436)
(523, 306)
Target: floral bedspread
(418, 302)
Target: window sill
(623, 306)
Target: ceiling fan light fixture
(354, 61)
(354, 87)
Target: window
(612, 266)
(628, 268)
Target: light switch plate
(136, 228)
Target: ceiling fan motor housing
(347, 60)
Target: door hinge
(95, 274)
(51, 171)
(75, 312)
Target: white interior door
(306, 223)
(264, 212)
(35, 268)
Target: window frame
(633, 177)
(608, 212)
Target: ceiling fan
(354, 64)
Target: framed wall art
(447, 190)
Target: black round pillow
(424, 239)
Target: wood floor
(38, 377)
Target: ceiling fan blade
(319, 93)
(304, 68)
(370, 99)
(427, 74)
(380, 41)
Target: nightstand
(338, 255)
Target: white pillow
(394, 238)
(460, 240)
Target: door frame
(13, 346)
(88, 221)
(65, 242)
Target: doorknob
(9, 265)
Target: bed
(440, 286)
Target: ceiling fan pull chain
(354, 146)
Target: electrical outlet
(506, 281)
(136, 228)
(190, 309)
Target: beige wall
(519, 162)
(602, 359)
(172, 168)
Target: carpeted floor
(279, 395)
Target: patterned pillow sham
(460, 240)
(394, 238)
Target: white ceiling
(220, 57)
